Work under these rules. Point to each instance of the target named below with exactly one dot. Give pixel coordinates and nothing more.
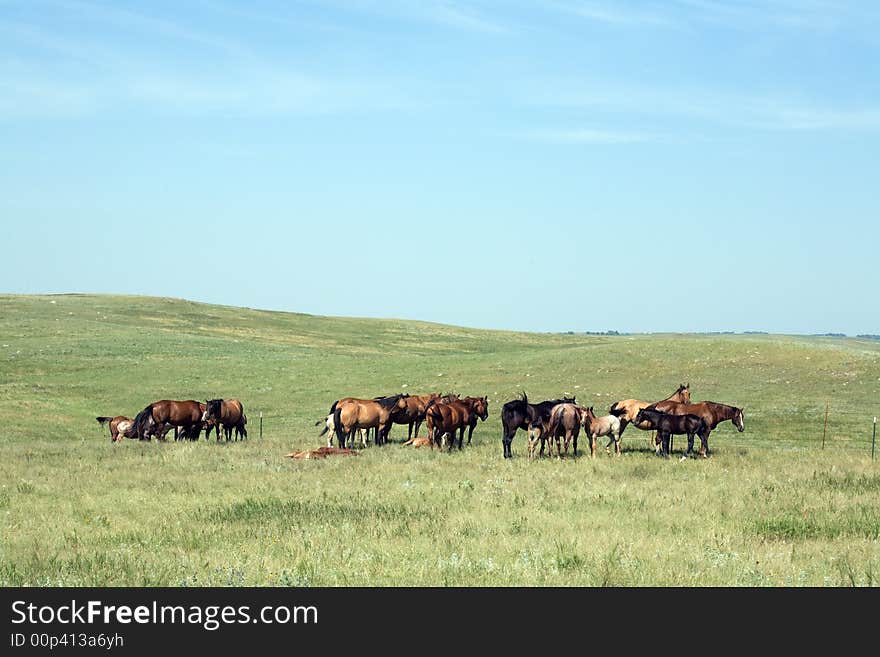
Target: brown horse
(446, 418)
(414, 413)
(118, 426)
(157, 418)
(627, 409)
(479, 410)
(230, 414)
(351, 413)
(712, 413)
(594, 427)
(565, 422)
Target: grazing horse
(165, 414)
(594, 427)
(627, 409)
(118, 426)
(350, 414)
(712, 413)
(230, 414)
(667, 425)
(414, 413)
(519, 414)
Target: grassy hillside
(769, 508)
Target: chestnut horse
(448, 417)
(351, 413)
(712, 413)
(118, 426)
(520, 414)
(165, 414)
(627, 409)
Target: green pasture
(770, 508)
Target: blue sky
(553, 165)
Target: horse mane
(139, 419)
(389, 402)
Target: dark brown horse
(118, 426)
(230, 414)
(157, 418)
(712, 413)
(667, 425)
(351, 413)
(414, 413)
(520, 414)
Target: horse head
(213, 409)
(481, 407)
(587, 416)
(738, 419)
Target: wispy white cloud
(645, 106)
(814, 15)
(617, 13)
(596, 136)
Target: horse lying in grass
(321, 452)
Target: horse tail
(135, 431)
(332, 408)
(103, 420)
(337, 423)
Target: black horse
(519, 414)
(667, 425)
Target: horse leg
(704, 445)
(617, 443)
(471, 432)
(461, 436)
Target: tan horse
(627, 409)
(594, 427)
(118, 426)
(351, 413)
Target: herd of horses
(188, 418)
(557, 422)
